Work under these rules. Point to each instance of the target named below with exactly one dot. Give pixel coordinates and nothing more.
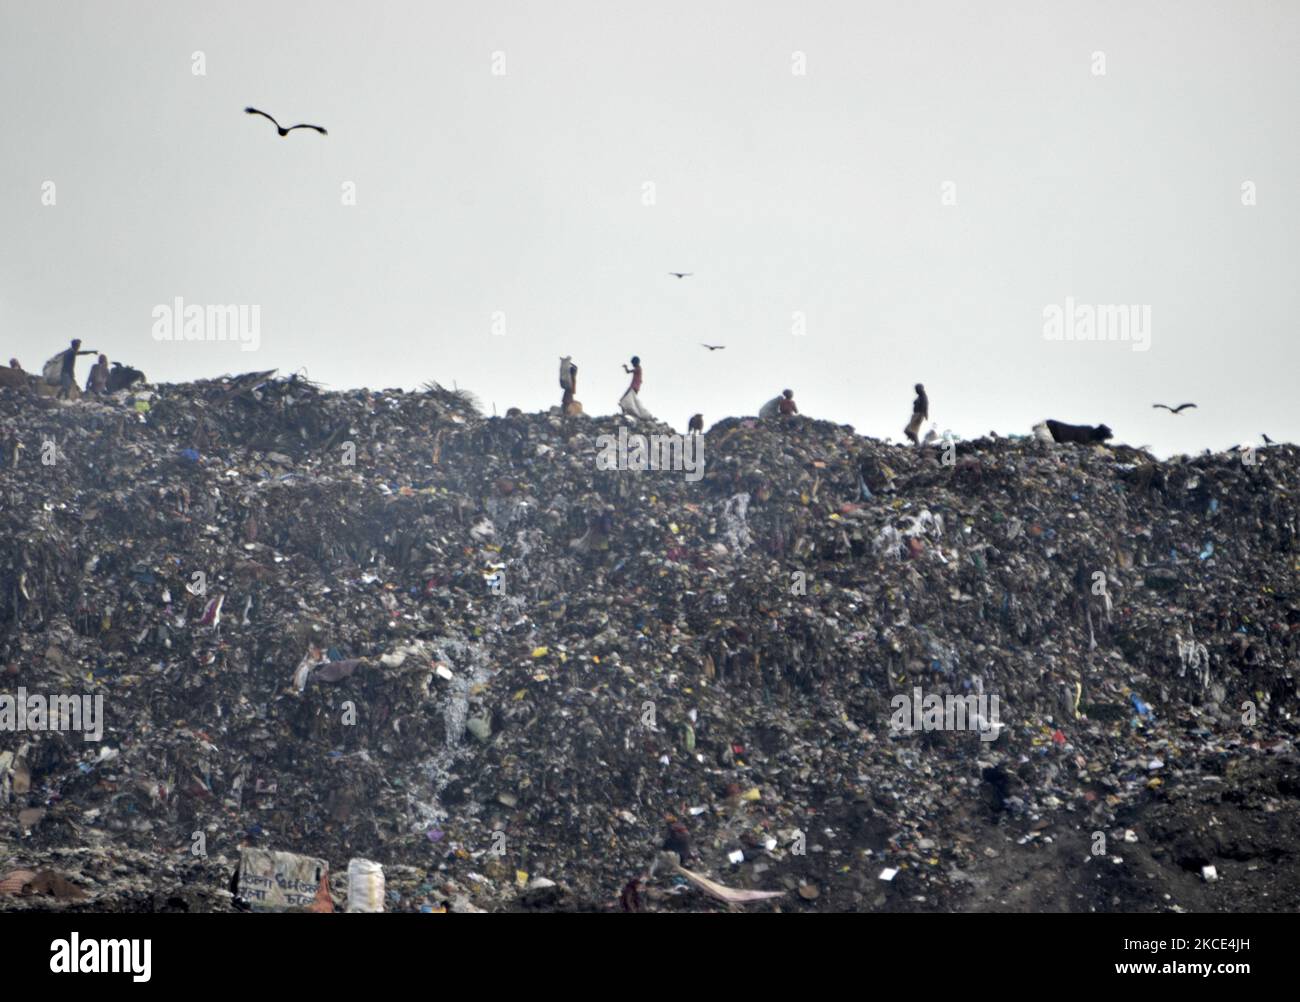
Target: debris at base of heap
(378, 624)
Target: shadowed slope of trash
(378, 624)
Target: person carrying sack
(68, 368)
(631, 402)
(920, 414)
(569, 384)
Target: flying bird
(280, 128)
(681, 274)
(1173, 410)
(712, 347)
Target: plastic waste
(365, 886)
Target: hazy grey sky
(819, 194)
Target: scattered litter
(366, 693)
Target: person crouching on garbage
(98, 381)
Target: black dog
(1081, 433)
(122, 377)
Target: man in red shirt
(631, 402)
(636, 374)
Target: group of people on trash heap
(782, 406)
(101, 379)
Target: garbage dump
(379, 626)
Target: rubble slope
(380, 624)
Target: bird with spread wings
(280, 128)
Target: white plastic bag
(631, 404)
(365, 886)
(52, 373)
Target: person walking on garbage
(97, 382)
(920, 414)
(67, 375)
(631, 402)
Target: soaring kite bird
(681, 274)
(712, 347)
(1173, 410)
(280, 128)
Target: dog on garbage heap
(122, 377)
(1083, 434)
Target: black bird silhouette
(280, 128)
(1173, 410)
(1267, 440)
(681, 274)
(712, 347)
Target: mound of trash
(379, 625)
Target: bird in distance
(681, 274)
(1173, 410)
(280, 128)
(712, 347)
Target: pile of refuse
(379, 624)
